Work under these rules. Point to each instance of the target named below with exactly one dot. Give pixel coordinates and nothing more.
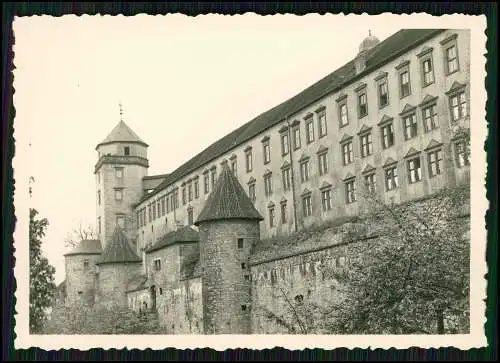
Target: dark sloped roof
(184, 234)
(382, 53)
(118, 250)
(86, 247)
(228, 201)
(122, 133)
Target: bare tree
(80, 233)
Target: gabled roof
(433, 143)
(118, 250)
(184, 234)
(122, 133)
(86, 247)
(389, 161)
(228, 200)
(385, 119)
(387, 50)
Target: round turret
(228, 227)
(368, 43)
(81, 271)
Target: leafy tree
(97, 319)
(42, 284)
(415, 278)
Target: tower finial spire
(121, 110)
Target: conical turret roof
(118, 250)
(228, 201)
(122, 133)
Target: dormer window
(126, 150)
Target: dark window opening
(161, 291)
(126, 150)
(80, 292)
(240, 242)
(247, 277)
(299, 298)
(243, 307)
(243, 266)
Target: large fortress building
(183, 243)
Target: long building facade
(387, 118)
(390, 121)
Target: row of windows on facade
(458, 110)
(414, 173)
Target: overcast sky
(184, 83)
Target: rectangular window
(461, 154)
(86, 264)
(190, 217)
(162, 206)
(387, 136)
(251, 192)
(284, 144)
(153, 207)
(451, 59)
(428, 72)
(98, 197)
(435, 162)
(120, 221)
(150, 213)
(126, 150)
(118, 194)
(240, 243)
(234, 166)
(271, 217)
(383, 94)
(248, 160)
(322, 131)
(410, 126)
(206, 183)
(366, 145)
(267, 152)
(296, 138)
(307, 206)
(286, 179)
(213, 173)
(168, 199)
(99, 225)
(196, 189)
(404, 84)
(309, 130)
(430, 118)
(362, 105)
(158, 214)
(326, 200)
(347, 153)
(184, 201)
(304, 171)
(119, 173)
(350, 191)
(283, 213)
(157, 264)
(268, 184)
(323, 163)
(414, 170)
(370, 182)
(458, 106)
(391, 178)
(343, 116)
(190, 191)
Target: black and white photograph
(300, 180)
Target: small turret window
(85, 264)
(243, 307)
(126, 150)
(119, 173)
(240, 242)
